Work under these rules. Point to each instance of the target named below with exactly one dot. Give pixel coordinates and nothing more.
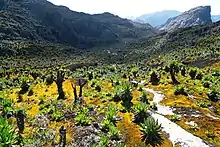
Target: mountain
(196, 43)
(157, 18)
(196, 16)
(215, 18)
(40, 20)
(126, 28)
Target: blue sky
(128, 8)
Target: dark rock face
(41, 20)
(196, 16)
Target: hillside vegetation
(126, 93)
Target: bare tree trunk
(172, 74)
(20, 120)
(59, 82)
(62, 137)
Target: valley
(74, 79)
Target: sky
(135, 8)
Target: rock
(41, 121)
(117, 118)
(59, 105)
(196, 16)
(212, 109)
(86, 136)
(192, 123)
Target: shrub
(151, 131)
(24, 88)
(202, 104)
(111, 113)
(31, 91)
(154, 78)
(106, 124)
(210, 134)
(199, 75)
(213, 95)
(140, 112)
(82, 117)
(174, 118)
(57, 115)
(49, 80)
(192, 73)
(8, 136)
(113, 132)
(153, 106)
(123, 92)
(6, 107)
(104, 141)
(144, 98)
(180, 89)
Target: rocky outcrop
(196, 16)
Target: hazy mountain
(196, 16)
(215, 18)
(42, 20)
(157, 18)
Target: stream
(177, 135)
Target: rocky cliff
(196, 16)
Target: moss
(33, 111)
(204, 124)
(129, 130)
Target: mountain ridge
(196, 16)
(22, 20)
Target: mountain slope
(126, 28)
(195, 43)
(43, 21)
(196, 16)
(157, 18)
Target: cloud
(125, 8)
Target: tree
(154, 78)
(81, 83)
(174, 68)
(59, 82)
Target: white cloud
(125, 8)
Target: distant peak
(196, 16)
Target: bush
(82, 117)
(140, 112)
(151, 131)
(124, 93)
(111, 113)
(213, 95)
(180, 89)
(154, 78)
(114, 132)
(144, 98)
(174, 118)
(153, 106)
(106, 124)
(199, 75)
(8, 136)
(202, 104)
(192, 73)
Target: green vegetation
(151, 131)
(8, 135)
(180, 89)
(82, 117)
(97, 95)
